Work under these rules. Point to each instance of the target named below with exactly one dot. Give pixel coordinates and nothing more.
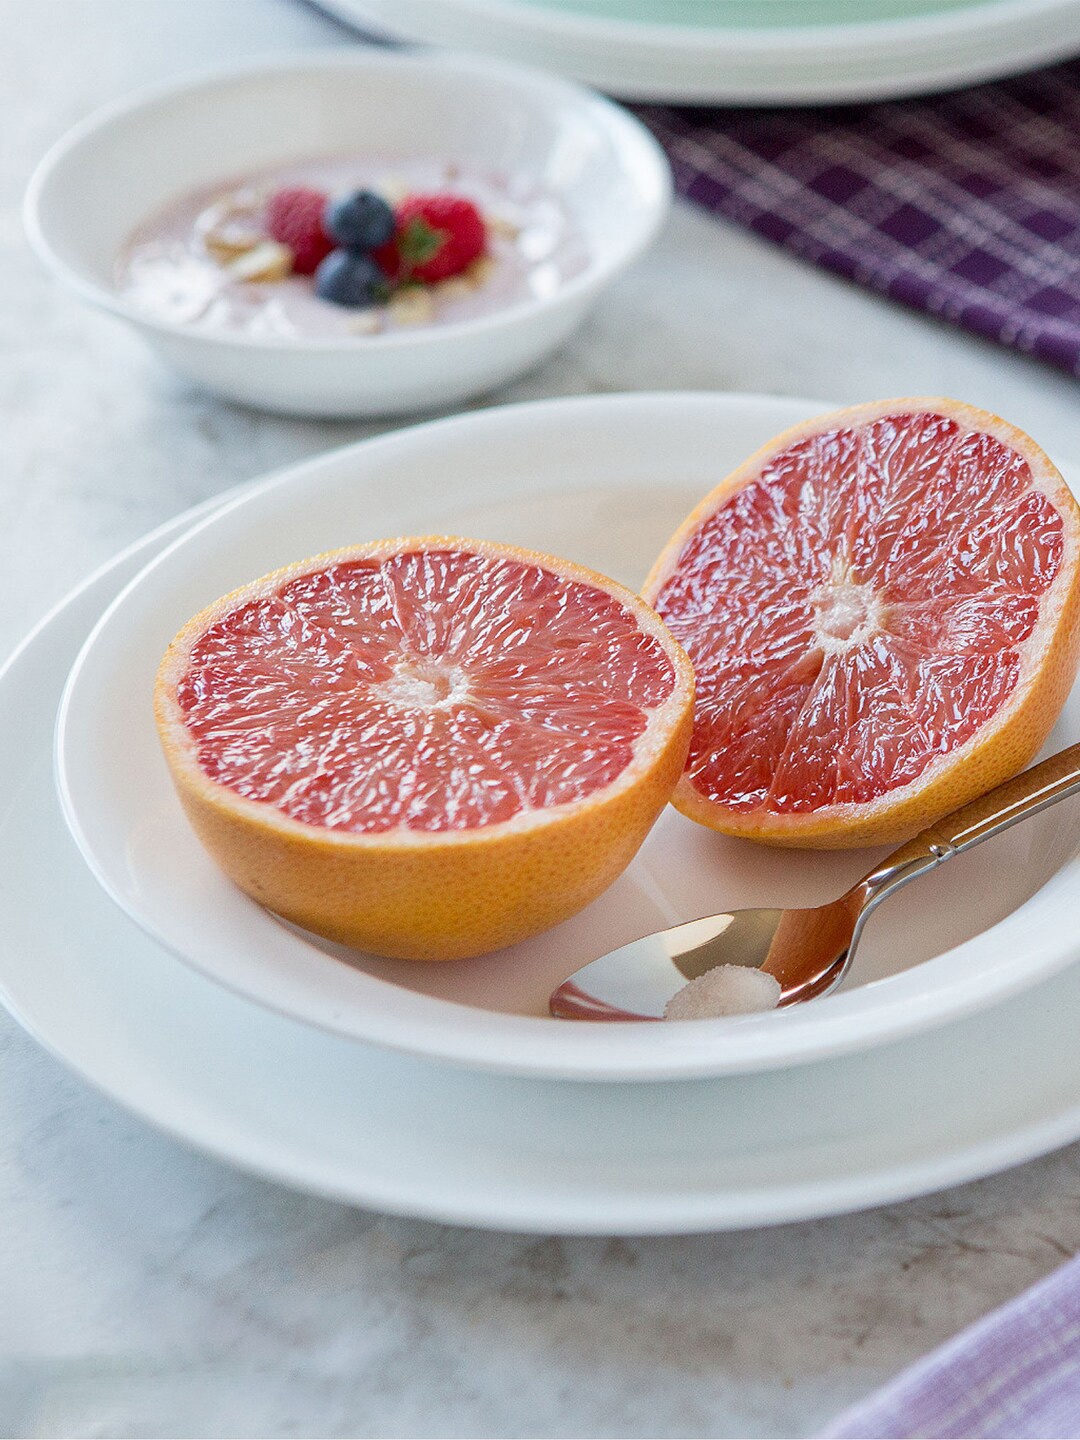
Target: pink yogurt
(168, 272)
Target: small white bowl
(124, 163)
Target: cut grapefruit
(427, 748)
(882, 607)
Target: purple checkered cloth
(965, 205)
(1014, 1374)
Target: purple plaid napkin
(965, 205)
(1016, 1373)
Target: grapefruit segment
(882, 610)
(426, 747)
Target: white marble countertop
(148, 1291)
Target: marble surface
(150, 1291)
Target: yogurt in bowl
(210, 258)
(573, 187)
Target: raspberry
(294, 218)
(437, 236)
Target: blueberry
(346, 277)
(361, 220)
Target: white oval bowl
(126, 162)
(603, 480)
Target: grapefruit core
(882, 607)
(427, 748)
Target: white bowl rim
(624, 128)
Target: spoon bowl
(808, 952)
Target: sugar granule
(726, 990)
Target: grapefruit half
(427, 748)
(882, 607)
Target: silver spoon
(807, 951)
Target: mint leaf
(420, 242)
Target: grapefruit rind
(1001, 747)
(425, 895)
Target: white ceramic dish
(123, 164)
(604, 481)
(327, 1115)
(741, 64)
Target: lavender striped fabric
(1014, 1374)
(965, 205)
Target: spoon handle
(1017, 799)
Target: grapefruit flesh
(882, 611)
(427, 748)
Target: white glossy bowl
(122, 164)
(602, 480)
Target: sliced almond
(266, 261)
(412, 306)
(366, 323)
(230, 242)
(479, 272)
(499, 225)
(231, 227)
(456, 288)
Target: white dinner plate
(602, 480)
(725, 51)
(360, 1124)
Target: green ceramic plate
(748, 52)
(719, 14)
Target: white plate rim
(888, 1010)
